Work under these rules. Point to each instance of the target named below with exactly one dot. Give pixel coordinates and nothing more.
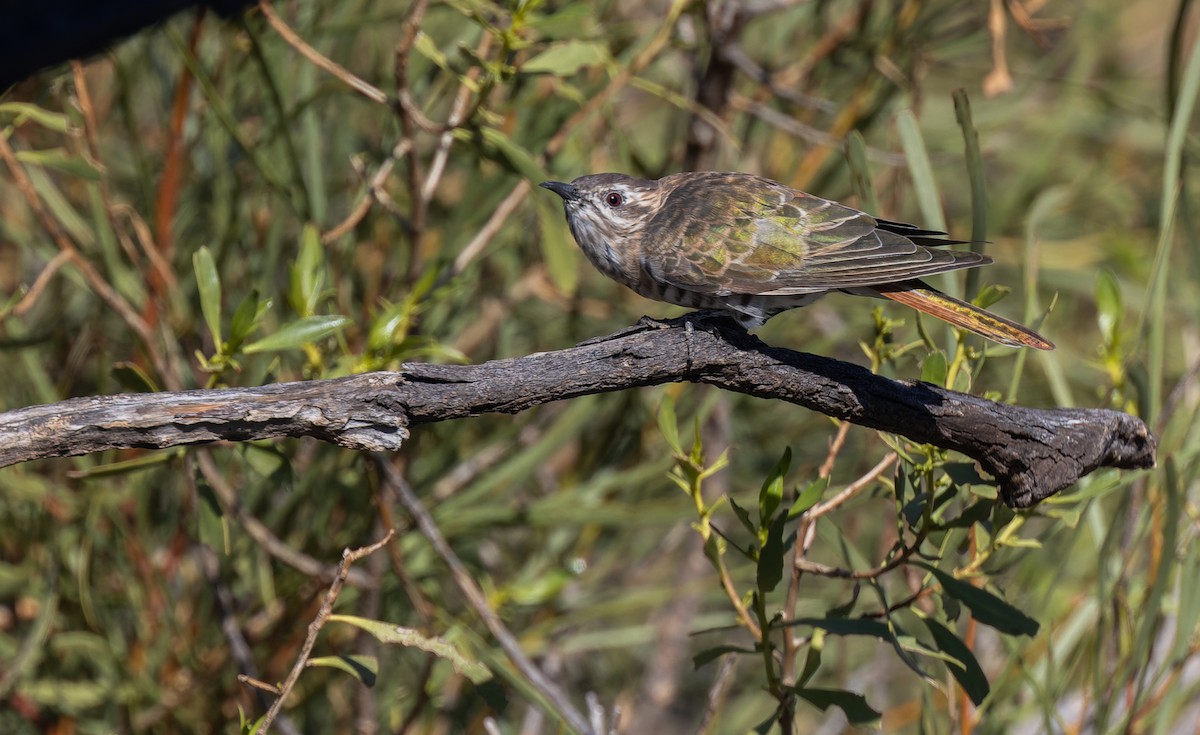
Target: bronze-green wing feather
(740, 234)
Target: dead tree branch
(1032, 453)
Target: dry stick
(458, 113)
(293, 39)
(717, 693)
(1032, 453)
(394, 482)
(43, 279)
(349, 556)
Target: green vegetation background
(288, 226)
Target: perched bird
(753, 247)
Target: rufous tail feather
(923, 298)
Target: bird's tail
(924, 298)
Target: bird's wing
(739, 234)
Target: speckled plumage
(755, 247)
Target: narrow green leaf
(990, 294)
(965, 668)
(921, 170)
(975, 175)
(60, 159)
(298, 333)
(771, 493)
(849, 626)
(307, 273)
(402, 636)
(986, 607)
(860, 172)
(426, 46)
(246, 319)
(133, 378)
(809, 496)
(363, 668)
(744, 516)
(771, 557)
(668, 426)
(935, 367)
(1109, 309)
(564, 59)
(854, 705)
(208, 283)
(709, 655)
(55, 121)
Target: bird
(752, 247)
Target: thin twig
(458, 114)
(293, 39)
(563, 708)
(39, 284)
(717, 692)
(852, 489)
(349, 556)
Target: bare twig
(349, 556)
(285, 31)
(395, 483)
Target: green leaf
(921, 170)
(55, 121)
(854, 705)
(849, 626)
(668, 426)
(809, 496)
(564, 59)
(964, 473)
(860, 172)
(133, 378)
(308, 273)
(709, 655)
(425, 46)
(60, 159)
(990, 294)
(208, 283)
(986, 607)
(363, 668)
(743, 515)
(770, 557)
(399, 635)
(977, 512)
(935, 367)
(298, 333)
(246, 319)
(965, 667)
(771, 493)
(1109, 309)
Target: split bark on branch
(1032, 453)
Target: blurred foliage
(265, 217)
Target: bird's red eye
(614, 199)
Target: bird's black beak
(566, 191)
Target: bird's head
(607, 209)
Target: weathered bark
(1032, 453)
